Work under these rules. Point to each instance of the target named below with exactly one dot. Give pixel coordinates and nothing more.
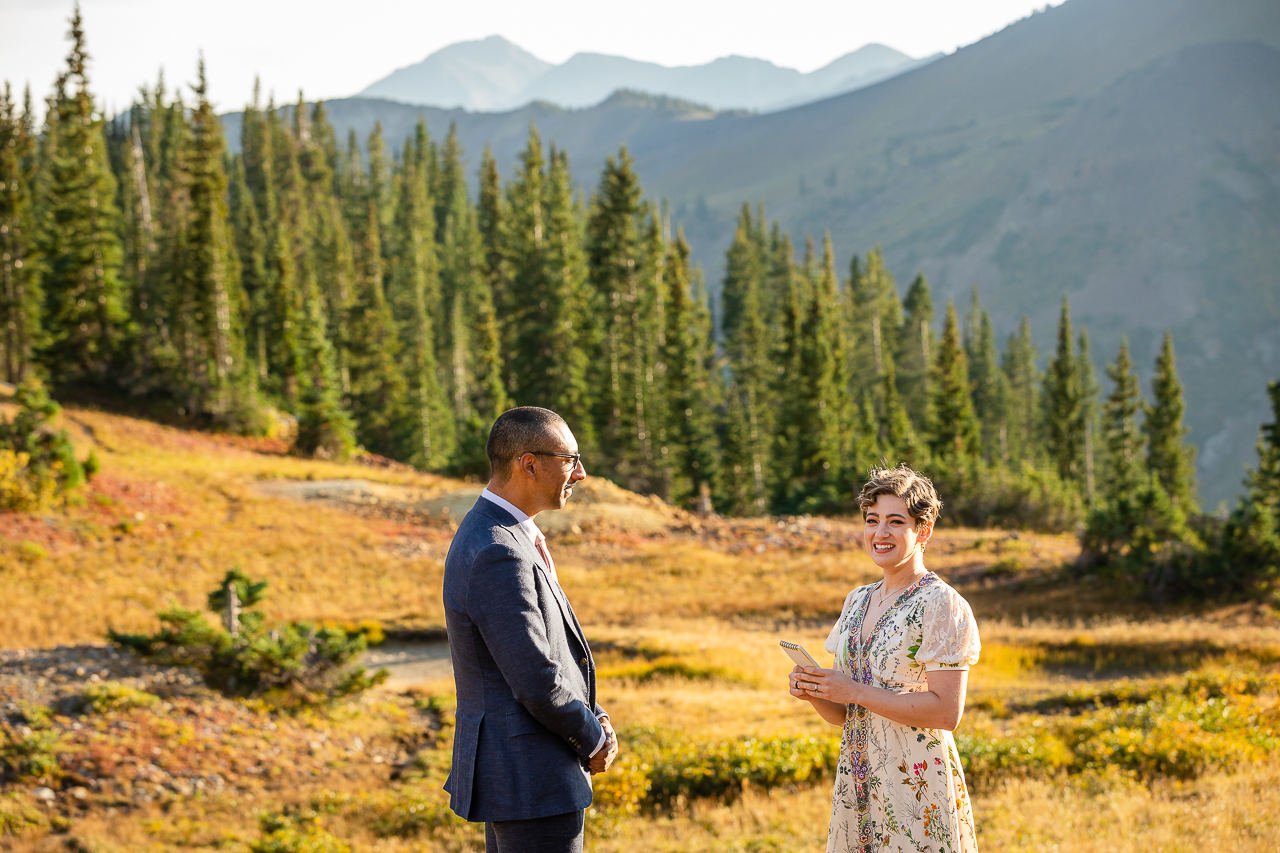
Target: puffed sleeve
(950, 639)
(832, 644)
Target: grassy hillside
(1119, 151)
(1094, 723)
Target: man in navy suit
(529, 732)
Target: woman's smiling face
(891, 536)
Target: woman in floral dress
(903, 647)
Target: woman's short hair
(915, 489)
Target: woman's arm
(940, 707)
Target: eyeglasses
(576, 457)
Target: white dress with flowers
(901, 788)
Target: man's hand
(601, 761)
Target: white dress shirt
(526, 524)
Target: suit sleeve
(503, 603)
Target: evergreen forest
(366, 300)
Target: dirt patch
(597, 506)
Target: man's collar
(522, 519)
(518, 514)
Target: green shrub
(115, 696)
(677, 767)
(1017, 498)
(287, 664)
(29, 745)
(1205, 721)
(284, 833)
(37, 464)
(18, 813)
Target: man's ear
(527, 464)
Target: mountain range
(494, 74)
(1125, 153)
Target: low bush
(20, 813)
(29, 745)
(676, 767)
(285, 833)
(37, 463)
(115, 696)
(286, 664)
(1212, 720)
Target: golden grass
(686, 626)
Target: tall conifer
(85, 309)
(917, 344)
(1062, 400)
(1169, 458)
(623, 276)
(954, 435)
(212, 350)
(414, 294)
(877, 319)
(1019, 366)
(1122, 443)
(827, 411)
(746, 335)
(688, 447)
(20, 294)
(379, 399)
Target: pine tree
(826, 413)
(85, 311)
(1062, 399)
(991, 393)
(324, 427)
(623, 276)
(746, 335)
(1249, 549)
(916, 344)
(251, 249)
(379, 398)
(688, 445)
(138, 236)
(877, 316)
(1169, 458)
(215, 379)
(1019, 367)
(1088, 414)
(328, 241)
(955, 435)
(20, 294)
(897, 437)
(1121, 441)
(795, 296)
(414, 296)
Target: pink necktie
(541, 544)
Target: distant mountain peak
(493, 74)
(479, 75)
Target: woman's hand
(829, 684)
(793, 685)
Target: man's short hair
(516, 432)
(915, 489)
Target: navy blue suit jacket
(527, 713)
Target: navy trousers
(560, 833)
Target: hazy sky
(334, 48)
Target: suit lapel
(500, 515)
(566, 610)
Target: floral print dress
(901, 788)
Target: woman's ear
(925, 533)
